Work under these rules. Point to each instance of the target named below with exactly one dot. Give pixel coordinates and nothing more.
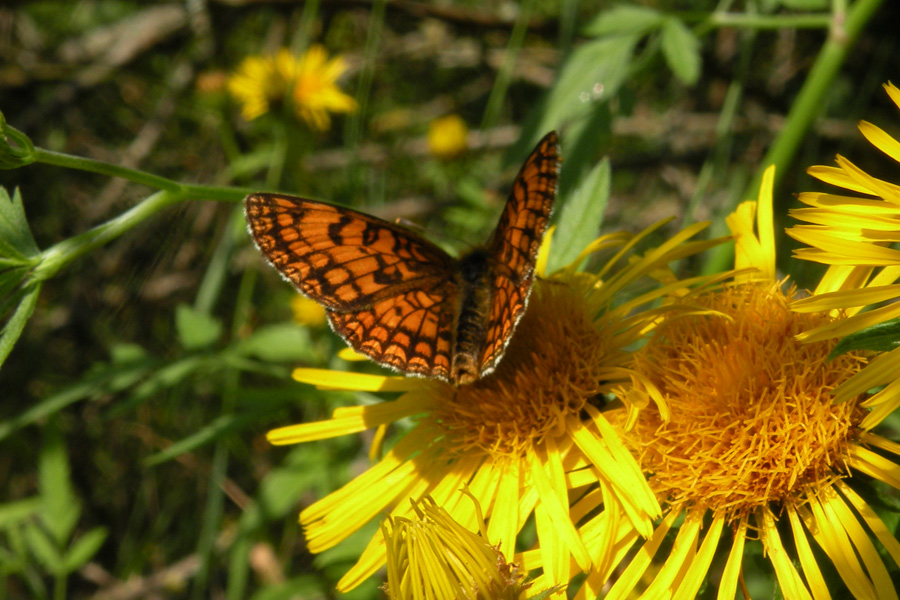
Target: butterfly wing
(410, 332)
(514, 246)
(390, 293)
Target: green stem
(808, 104)
(504, 74)
(104, 168)
(58, 256)
(777, 22)
(805, 108)
(185, 191)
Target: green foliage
(581, 217)
(882, 337)
(146, 349)
(39, 534)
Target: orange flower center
(752, 420)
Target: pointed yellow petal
(699, 568)
(807, 558)
(732, 571)
(789, 580)
(880, 139)
(326, 379)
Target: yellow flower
(309, 85)
(307, 312)
(854, 235)
(432, 556)
(752, 441)
(524, 440)
(447, 137)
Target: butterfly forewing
(515, 244)
(390, 293)
(341, 258)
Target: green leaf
(548, 592)
(16, 240)
(60, 508)
(102, 379)
(302, 586)
(624, 19)
(16, 324)
(12, 275)
(15, 512)
(212, 432)
(280, 491)
(591, 75)
(196, 329)
(581, 217)
(278, 343)
(85, 547)
(883, 337)
(43, 548)
(681, 49)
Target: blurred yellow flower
(447, 137)
(308, 85)
(307, 312)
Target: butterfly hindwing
(411, 332)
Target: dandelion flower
(308, 85)
(752, 441)
(522, 440)
(447, 137)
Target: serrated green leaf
(581, 217)
(83, 549)
(681, 49)
(16, 324)
(16, 240)
(882, 337)
(624, 19)
(278, 343)
(196, 329)
(60, 508)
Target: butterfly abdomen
(474, 303)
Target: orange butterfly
(398, 298)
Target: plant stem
(58, 256)
(104, 168)
(808, 104)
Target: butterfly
(397, 297)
